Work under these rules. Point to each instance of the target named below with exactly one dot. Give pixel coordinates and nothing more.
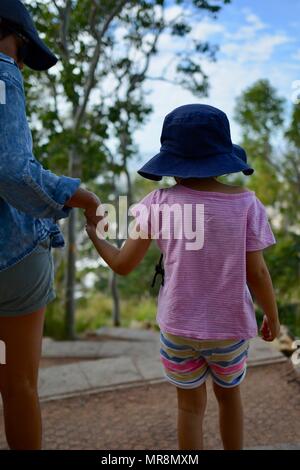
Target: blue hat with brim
(196, 143)
(39, 56)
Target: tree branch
(56, 5)
(65, 15)
(94, 63)
(52, 84)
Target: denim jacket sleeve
(24, 183)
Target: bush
(54, 322)
(96, 311)
(93, 313)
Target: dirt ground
(144, 417)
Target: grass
(95, 311)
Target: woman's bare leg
(191, 409)
(231, 416)
(19, 378)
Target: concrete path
(118, 358)
(144, 416)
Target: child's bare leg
(231, 416)
(191, 409)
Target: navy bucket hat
(38, 56)
(196, 143)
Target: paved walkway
(109, 393)
(117, 357)
(144, 417)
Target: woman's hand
(88, 201)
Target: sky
(257, 39)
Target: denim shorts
(188, 362)
(28, 286)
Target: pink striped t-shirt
(205, 295)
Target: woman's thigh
(27, 286)
(22, 340)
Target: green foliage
(284, 259)
(259, 110)
(181, 29)
(54, 321)
(276, 181)
(118, 107)
(140, 280)
(213, 7)
(293, 133)
(95, 312)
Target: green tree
(260, 112)
(291, 168)
(100, 46)
(276, 181)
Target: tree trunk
(71, 277)
(116, 313)
(116, 310)
(74, 171)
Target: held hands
(87, 201)
(92, 224)
(90, 211)
(90, 203)
(269, 330)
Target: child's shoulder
(160, 192)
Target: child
(205, 309)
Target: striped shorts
(188, 362)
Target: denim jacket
(31, 198)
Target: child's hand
(269, 330)
(91, 227)
(91, 211)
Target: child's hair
(6, 28)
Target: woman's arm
(124, 260)
(24, 183)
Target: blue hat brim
(39, 56)
(168, 164)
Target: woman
(31, 201)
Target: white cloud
(255, 21)
(246, 56)
(296, 55)
(250, 30)
(259, 50)
(206, 29)
(173, 12)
